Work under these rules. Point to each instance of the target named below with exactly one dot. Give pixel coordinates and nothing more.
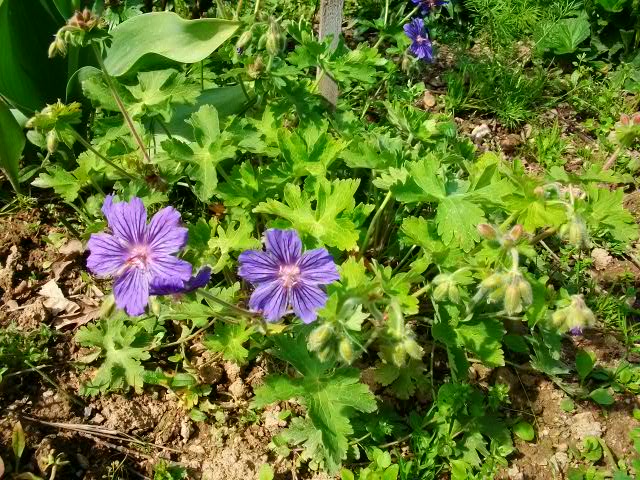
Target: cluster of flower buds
(330, 342)
(399, 342)
(574, 317)
(446, 288)
(507, 240)
(54, 123)
(447, 285)
(575, 232)
(510, 288)
(627, 130)
(74, 32)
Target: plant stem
(612, 159)
(386, 12)
(120, 104)
(238, 9)
(228, 305)
(91, 148)
(410, 14)
(257, 8)
(373, 223)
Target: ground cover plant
(211, 271)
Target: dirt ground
(41, 282)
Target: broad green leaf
(484, 339)
(567, 405)
(28, 78)
(329, 394)
(12, 141)
(524, 430)
(229, 339)
(326, 222)
(266, 472)
(67, 7)
(613, 5)
(566, 35)
(123, 347)
(585, 362)
(154, 38)
(601, 396)
(63, 183)
(457, 220)
(236, 237)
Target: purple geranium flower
(284, 276)
(421, 45)
(427, 5)
(139, 256)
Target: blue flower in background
(421, 45)
(427, 5)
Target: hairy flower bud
(487, 231)
(52, 141)
(413, 349)
(255, 69)
(575, 317)
(512, 303)
(243, 41)
(319, 337)
(575, 232)
(346, 350)
(492, 282)
(399, 355)
(446, 287)
(516, 232)
(274, 40)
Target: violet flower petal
(167, 268)
(128, 221)
(317, 266)
(171, 287)
(271, 299)
(306, 300)
(285, 245)
(164, 233)
(258, 267)
(131, 291)
(107, 255)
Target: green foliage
(12, 143)
(162, 471)
(141, 41)
(229, 339)
(331, 396)
(20, 350)
(122, 347)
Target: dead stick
(330, 25)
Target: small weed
(20, 350)
(495, 86)
(549, 146)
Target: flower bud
(324, 354)
(538, 191)
(516, 232)
(399, 355)
(576, 232)
(512, 303)
(255, 69)
(346, 350)
(319, 337)
(406, 64)
(575, 317)
(243, 41)
(526, 294)
(487, 232)
(273, 42)
(413, 349)
(492, 282)
(625, 119)
(636, 118)
(52, 141)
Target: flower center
(138, 257)
(420, 39)
(289, 275)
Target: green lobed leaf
(524, 430)
(143, 40)
(229, 340)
